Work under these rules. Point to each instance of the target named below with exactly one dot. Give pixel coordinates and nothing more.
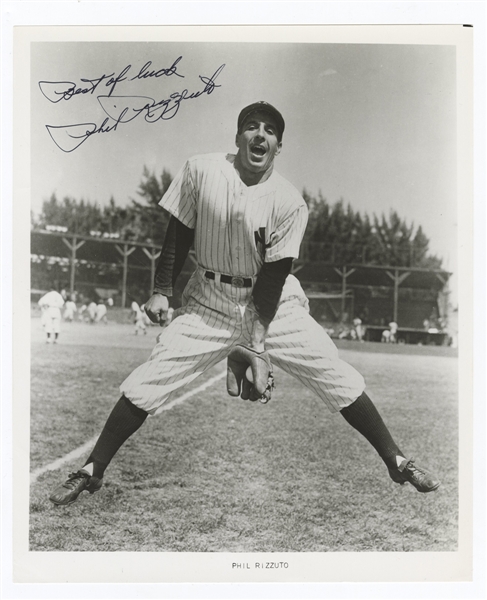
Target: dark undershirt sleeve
(268, 287)
(177, 242)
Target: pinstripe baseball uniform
(246, 223)
(237, 228)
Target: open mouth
(258, 151)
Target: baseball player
(359, 329)
(92, 311)
(81, 312)
(51, 304)
(138, 317)
(101, 313)
(246, 223)
(69, 310)
(393, 327)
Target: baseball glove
(256, 384)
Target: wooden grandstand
(415, 298)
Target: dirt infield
(219, 474)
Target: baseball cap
(263, 107)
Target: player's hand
(156, 308)
(249, 374)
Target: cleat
(419, 477)
(76, 483)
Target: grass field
(217, 474)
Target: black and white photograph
(244, 302)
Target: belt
(239, 282)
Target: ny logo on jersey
(260, 241)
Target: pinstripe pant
(214, 318)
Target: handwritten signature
(120, 109)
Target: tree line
(335, 232)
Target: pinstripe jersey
(237, 227)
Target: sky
(374, 125)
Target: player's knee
(135, 410)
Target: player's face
(257, 142)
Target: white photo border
(328, 12)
